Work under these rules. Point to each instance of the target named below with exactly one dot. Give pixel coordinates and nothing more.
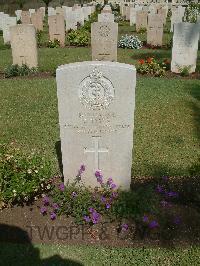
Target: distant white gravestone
(105, 17)
(185, 46)
(96, 103)
(104, 37)
(24, 45)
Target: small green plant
(22, 176)
(131, 42)
(78, 38)
(88, 205)
(5, 46)
(185, 71)
(87, 24)
(142, 30)
(53, 44)
(192, 12)
(16, 70)
(39, 38)
(151, 66)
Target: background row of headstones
(71, 15)
(104, 36)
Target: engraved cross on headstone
(96, 150)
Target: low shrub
(22, 176)
(53, 44)
(39, 38)
(16, 70)
(185, 71)
(78, 38)
(90, 205)
(87, 24)
(142, 30)
(5, 46)
(131, 42)
(192, 12)
(151, 66)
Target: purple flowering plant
(89, 205)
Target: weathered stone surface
(132, 16)
(141, 20)
(37, 20)
(106, 9)
(7, 23)
(71, 21)
(155, 30)
(24, 45)
(185, 47)
(96, 116)
(18, 14)
(104, 41)
(57, 29)
(25, 17)
(105, 17)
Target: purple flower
(165, 178)
(95, 216)
(55, 206)
(82, 168)
(153, 224)
(124, 227)
(45, 200)
(159, 189)
(53, 216)
(74, 194)
(108, 206)
(172, 194)
(103, 199)
(61, 187)
(91, 210)
(98, 173)
(100, 180)
(145, 219)
(43, 210)
(110, 181)
(177, 220)
(113, 186)
(86, 218)
(114, 195)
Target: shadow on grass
(194, 105)
(16, 249)
(178, 218)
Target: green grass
(23, 255)
(166, 137)
(51, 58)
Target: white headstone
(185, 47)
(105, 17)
(10, 21)
(96, 115)
(18, 14)
(104, 36)
(24, 45)
(51, 11)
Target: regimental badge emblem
(96, 92)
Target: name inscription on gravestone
(96, 115)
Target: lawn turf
(166, 135)
(23, 255)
